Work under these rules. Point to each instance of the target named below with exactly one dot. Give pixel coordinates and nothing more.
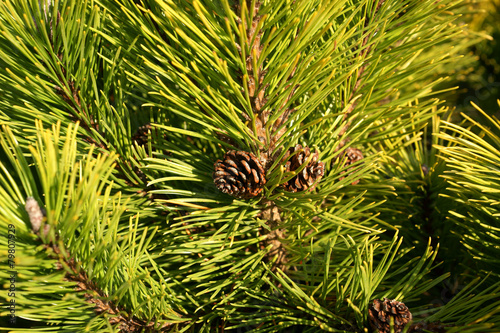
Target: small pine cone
(36, 215)
(381, 312)
(309, 175)
(240, 174)
(141, 135)
(353, 155)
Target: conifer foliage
(242, 165)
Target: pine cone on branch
(353, 155)
(146, 133)
(240, 175)
(381, 312)
(308, 178)
(141, 135)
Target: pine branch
(314, 116)
(63, 238)
(472, 177)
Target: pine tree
(264, 166)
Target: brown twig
(257, 91)
(353, 103)
(73, 98)
(93, 294)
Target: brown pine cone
(240, 174)
(305, 180)
(353, 155)
(141, 135)
(381, 312)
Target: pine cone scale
(246, 166)
(255, 176)
(234, 171)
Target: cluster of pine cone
(240, 174)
